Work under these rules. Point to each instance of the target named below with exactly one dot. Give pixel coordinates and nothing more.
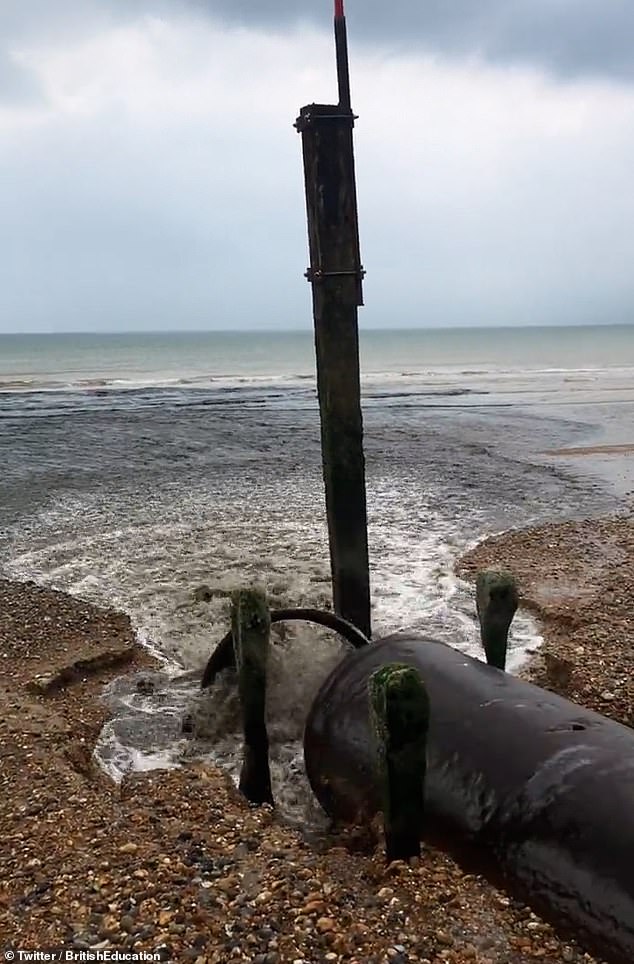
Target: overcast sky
(150, 176)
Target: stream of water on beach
(132, 488)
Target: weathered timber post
(336, 276)
(399, 712)
(497, 599)
(250, 626)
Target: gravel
(177, 863)
(578, 580)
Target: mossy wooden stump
(497, 599)
(250, 626)
(399, 711)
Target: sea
(139, 467)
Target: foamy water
(224, 536)
(134, 498)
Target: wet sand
(589, 450)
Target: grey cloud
(100, 236)
(40, 21)
(570, 39)
(17, 84)
(587, 37)
(109, 222)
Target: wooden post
(336, 276)
(399, 711)
(250, 626)
(497, 599)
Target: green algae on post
(399, 713)
(250, 626)
(497, 599)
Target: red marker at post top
(338, 9)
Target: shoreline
(576, 578)
(624, 449)
(175, 860)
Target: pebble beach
(176, 863)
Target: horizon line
(309, 330)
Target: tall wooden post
(336, 276)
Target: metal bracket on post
(306, 119)
(316, 274)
